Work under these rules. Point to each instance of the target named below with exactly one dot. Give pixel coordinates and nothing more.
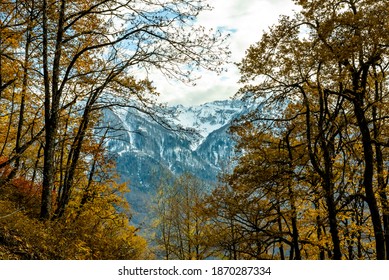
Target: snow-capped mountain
(144, 147)
(146, 151)
(208, 117)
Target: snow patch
(207, 118)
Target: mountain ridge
(146, 152)
(143, 137)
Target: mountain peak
(208, 117)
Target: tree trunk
(295, 232)
(73, 158)
(382, 185)
(326, 174)
(24, 86)
(52, 103)
(368, 179)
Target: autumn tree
(19, 122)
(182, 228)
(331, 58)
(62, 63)
(105, 41)
(261, 204)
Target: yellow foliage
(98, 231)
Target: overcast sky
(248, 18)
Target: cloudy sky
(248, 18)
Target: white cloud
(247, 19)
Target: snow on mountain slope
(201, 153)
(146, 152)
(208, 117)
